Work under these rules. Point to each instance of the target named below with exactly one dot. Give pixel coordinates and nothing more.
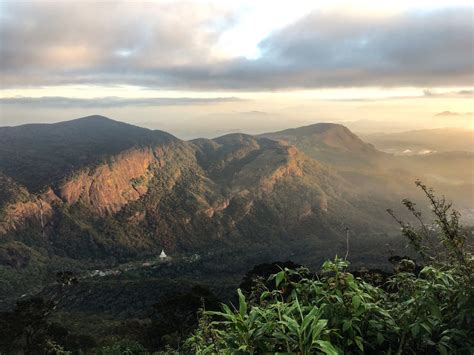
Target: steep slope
(241, 161)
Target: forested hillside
(425, 305)
(100, 191)
(92, 203)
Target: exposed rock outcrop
(16, 214)
(107, 188)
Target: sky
(205, 68)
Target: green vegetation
(430, 311)
(337, 313)
(225, 193)
(217, 207)
(417, 310)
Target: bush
(336, 313)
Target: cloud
(173, 44)
(413, 49)
(453, 114)
(463, 94)
(447, 113)
(108, 102)
(104, 42)
(425, 94)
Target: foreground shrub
(339, 314)
(331, 314)
(430, 311)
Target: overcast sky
(208, 67)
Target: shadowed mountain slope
(41, 154)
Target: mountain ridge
(226, 171)
(331, 143)
(34, 155)
(153, 191)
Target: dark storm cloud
(170, 46)
(107, 102)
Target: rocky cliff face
(108, 187)
(247, 168)
(291, 166)
(103, 189)
(17, 214)
(32, 208)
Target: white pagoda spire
(163, 254)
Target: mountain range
(96, 190)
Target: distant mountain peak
(316, 128)
(95, 117)
(64, 147)
(331, 134)
(324, 126)
(329, 142)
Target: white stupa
(163, 255)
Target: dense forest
(426, 305)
